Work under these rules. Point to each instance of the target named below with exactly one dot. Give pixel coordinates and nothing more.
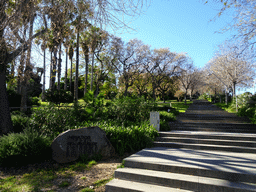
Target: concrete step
(213, 125)
(235, 167)
(182, 181)
(117, 185)
(213, 129)
(210, 135)
(251, 144)
(205, 147)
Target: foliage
(95, 105)
(34, 101)
(52, 120)
(204, 96)
(134, 109)
(20, 121)
(165, 118)
(16, 148)
(14, 98)
(180, 95)
(130, 138)
(58, 96)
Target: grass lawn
(179, 106)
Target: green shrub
(14, 98)
(52, 120)
(95, 105)
(165, 118)
(34, 101)
(130, 138)
(58, 96)
(204, 96)
(19, 121)
(128, 109)
(18, 148)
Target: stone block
(71, 144)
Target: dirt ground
(103, 170)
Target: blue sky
(183, 26)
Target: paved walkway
(208, 149)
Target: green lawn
(179, 106)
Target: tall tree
(12, 14)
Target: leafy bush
(14, 98)
(18, 148)
(130, 138)
(58, 96)
(19, 121)
(165, 118)
(52, 120)
(128, 109)
(34, 101)
(204, 96)
(95, 105)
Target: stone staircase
(208, 149)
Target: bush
(95, 105)
(204, 96)
(34, 101)
(165, 118)
(14, 98)
(128, 139)
(18, 148)
(58, 96)
(19, 121)
(52, 120)
(128, 109)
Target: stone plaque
(71, 144)
(155, 120)
(80, 145)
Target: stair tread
(242, 163)
(136, 186)
(206, 139)
(122, 172)
(209, 145)
(228, 134)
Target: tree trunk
(126, 89)
(234, 90)
(86, 73)
(54, 66)
(20, 72)
(226, 98)
(59, 67)
(153, 89)
(66, 70)
(185, 98)
(50, 83)
(28, 71)
(21, 67)
(92, 71)
(43, 91)
(5, 116)
(70, 83)
(77, 64)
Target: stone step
(208, 129)
(235, 167)
(117, 185)
(210, 135)
(213, 125)
(205, 147)
(182, 181)
(207, 141)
